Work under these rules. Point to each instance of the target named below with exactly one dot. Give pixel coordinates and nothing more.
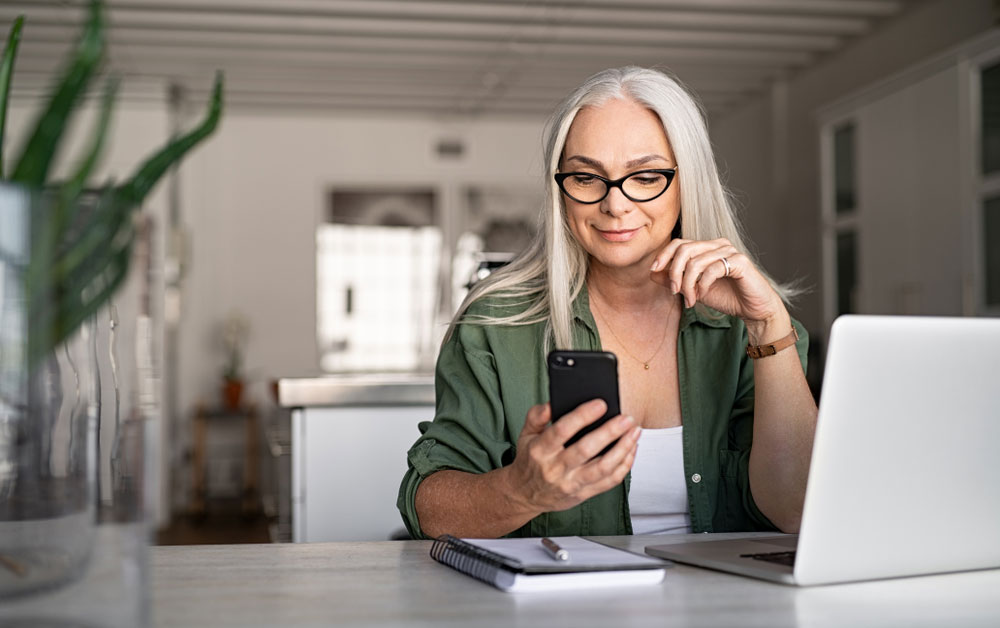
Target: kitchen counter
(355, 390)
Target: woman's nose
(616, 203)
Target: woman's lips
(618, 235)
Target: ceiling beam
(443, 53)
(496, 13)
(534, 32)
(852, 8)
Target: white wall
(784, 213)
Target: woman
(639, 254)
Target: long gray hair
(547, 277)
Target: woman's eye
(650, 180)
(583, 179)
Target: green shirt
(488, 376)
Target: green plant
(235, 330)
(80, 252)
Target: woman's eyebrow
(645, 160)
(587, 161)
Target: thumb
(536, 420)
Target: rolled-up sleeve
(735, 460)
(469, 431)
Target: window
(991, 249)
(846, 271)
(841, 224)
(377, 281)
(843, 169)
(384, 290)
(990, 107)
(988, 261)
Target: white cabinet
(347, 463)
(349, 445)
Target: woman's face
(613, 140)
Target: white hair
(547, 277)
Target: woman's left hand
(696, 270)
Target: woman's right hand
(548, 476)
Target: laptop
(905, 471)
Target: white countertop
(397, 583)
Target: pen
(554, 550)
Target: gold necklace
(645, 363)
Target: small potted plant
(235, 330)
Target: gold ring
(725, 263)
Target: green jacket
(488, 376)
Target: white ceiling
(441, 57)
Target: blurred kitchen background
(378, 156)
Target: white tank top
(657, 496)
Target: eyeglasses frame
(669, 173)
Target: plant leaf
(57, 268)
(54, 235)
(56, 256)
(53, 324)
(149, 173)
(33, 165)
(70, 191)
(6, 73)
(64, 296)
(103, 223)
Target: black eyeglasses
(640, 187)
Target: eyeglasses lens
(641, 186)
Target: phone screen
(576, 377)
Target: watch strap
(762, 351)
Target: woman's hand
(547, 476)
(696, 270)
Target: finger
(664, 256)
(594, 443)
(597, 468)
(698, 265)
(678, 265)
(611, 479)
(536, 419)
(566, 426)
(715, 269)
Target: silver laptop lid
(905, 473)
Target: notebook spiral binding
(473, 561)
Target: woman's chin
(623, 259)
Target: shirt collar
(581, 309)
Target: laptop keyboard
(782, 558)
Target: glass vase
(75, 429)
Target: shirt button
(696, 478)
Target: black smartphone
(576, 377)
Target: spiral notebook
(518, 565)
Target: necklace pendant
(646, 364)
